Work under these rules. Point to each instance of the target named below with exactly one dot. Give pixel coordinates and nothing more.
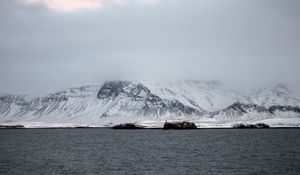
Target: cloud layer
(240, 42)
(67, 6)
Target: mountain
(116, 102)
(276, 95)
(252, 112)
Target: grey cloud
(240, 42)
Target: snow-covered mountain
(276, 95)
(129, 101)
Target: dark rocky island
(179, 125)
(257, 125)
(11, 126)
(127, 126)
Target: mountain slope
(276, 95)
(210, 96)
(252, 112)
(127, 101)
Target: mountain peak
(116, 88)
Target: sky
(49, 45)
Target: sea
(107, 151)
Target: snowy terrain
(208, 104)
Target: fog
(48, 45)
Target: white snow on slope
(81, 105)
(276, 95)
(210, 96)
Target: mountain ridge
(116, 102)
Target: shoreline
(150, 128)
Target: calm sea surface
(105, 151)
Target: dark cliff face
(111, 89)
(241, 107)
(152, 104)
(273, 109)
(12, 99)
(136, 91)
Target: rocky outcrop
(178, 125)
(257, 125)
(11, 127)
(128, 126)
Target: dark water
(105, 151)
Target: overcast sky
(48, 45)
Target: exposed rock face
(128, 126)
(273, 109)
(135, 91)
(111, 89)
(177, 125)
(149, 103)
(253, 110)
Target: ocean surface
(106, 151)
